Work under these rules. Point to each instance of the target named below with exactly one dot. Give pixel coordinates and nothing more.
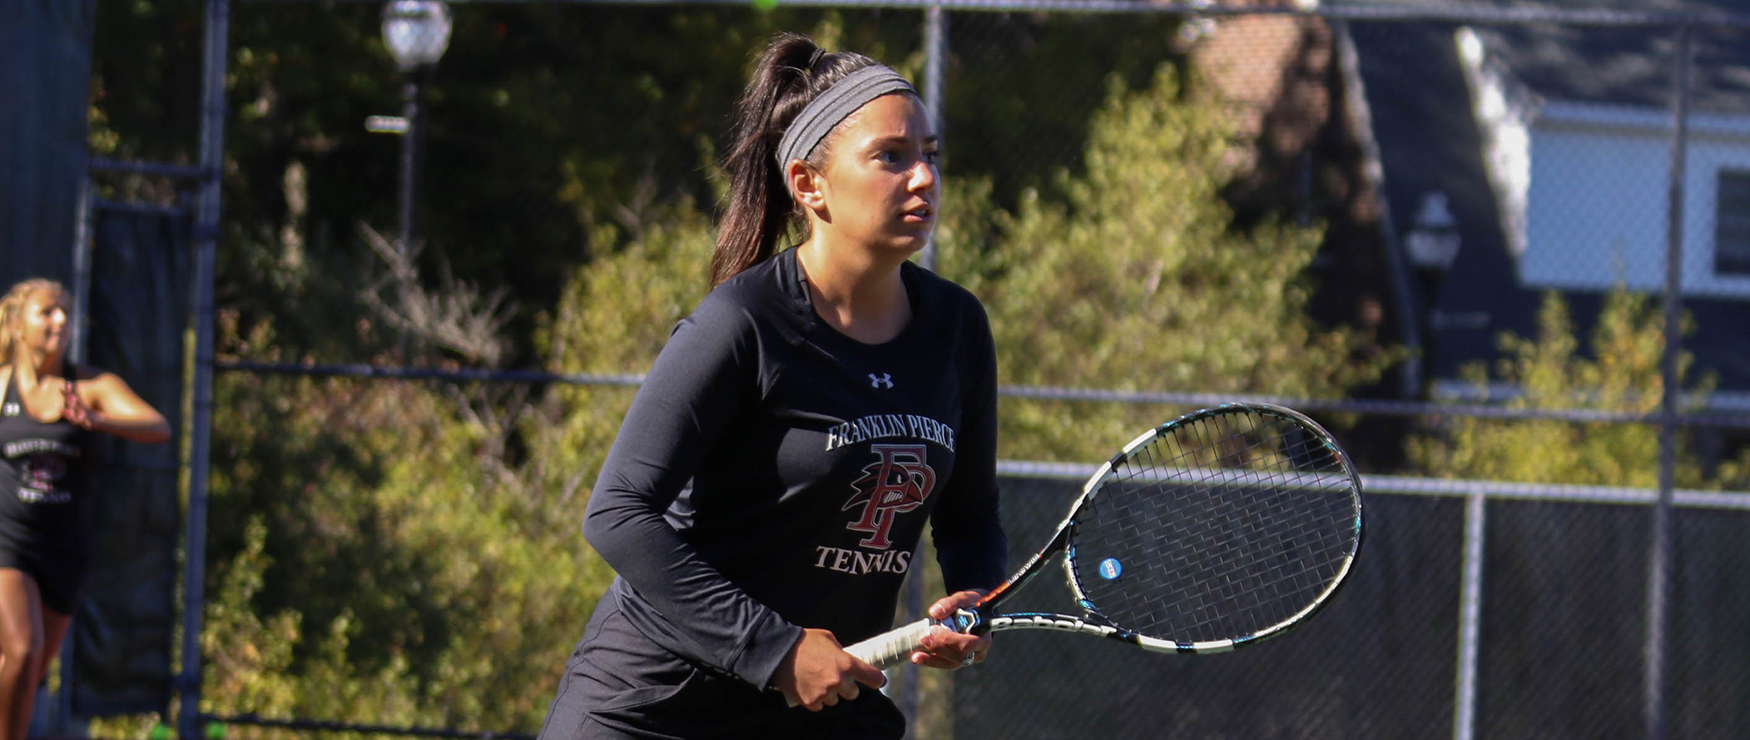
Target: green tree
(1617, 370)
(408, 553)
(613, 318)
(1138, 282)
(399, 565)
(548, 123)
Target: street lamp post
(416, 32)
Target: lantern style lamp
(416, 32)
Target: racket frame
(891, 648)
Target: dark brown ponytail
(759, 210)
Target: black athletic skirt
(57, 576)
(618, 685)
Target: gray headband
(833, 105)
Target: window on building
(1732, 224)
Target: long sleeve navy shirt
(774, 474)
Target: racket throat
(967, 622)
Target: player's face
(42, 326)
(881, 184)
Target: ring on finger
(969, 659)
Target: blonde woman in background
(49, 410)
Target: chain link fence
(1470, 171)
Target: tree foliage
(1617, 369)
(383, 556)
(613, 318)
(1137, 281)
(555, 131)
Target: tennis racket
(1221, 528)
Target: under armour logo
(884, 380)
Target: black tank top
(41, 480)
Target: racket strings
(1217, 529)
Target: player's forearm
(714, 622)
(149, 429)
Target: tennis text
(857, 562)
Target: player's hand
(73, 409)
(949, 650)
(819, 673)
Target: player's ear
(804, 184)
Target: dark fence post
(206, 237)
(1659, 568)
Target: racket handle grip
(889, 649)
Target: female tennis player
(769, 486)
(49, 408)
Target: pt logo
(41, 471)
(884, 380)
(897, 482)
